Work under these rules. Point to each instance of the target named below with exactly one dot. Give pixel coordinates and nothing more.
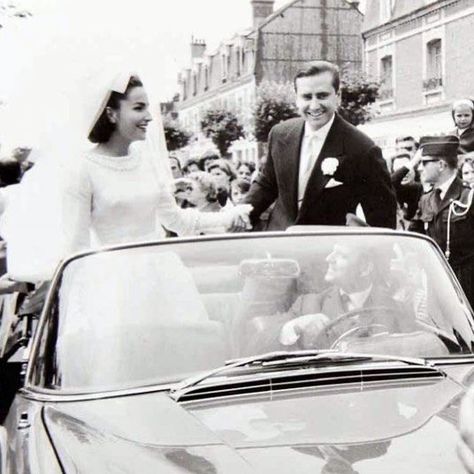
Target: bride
(102, 176)
(121, 189)
(118, 191)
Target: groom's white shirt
(311, 147)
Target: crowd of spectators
(405, 162)
(210, 183)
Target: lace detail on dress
(118, 163)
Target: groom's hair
(103, 127)
(318, 67)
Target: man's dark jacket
(408, 194)
(466, 140)
(361, 170)
(432, 220)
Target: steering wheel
(391, 312)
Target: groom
(319, 167)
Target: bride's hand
(240, 220)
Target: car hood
(370, 428)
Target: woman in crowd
(175, 166)
(202, 192)
(467, 172)
(462, 112)
(190, 166)
(180, 191)
(206, 159)
(245, 170)
(223, 172)
(239, 188)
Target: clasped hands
(239, 218)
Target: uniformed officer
(445, 213)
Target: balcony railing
(386, 93)
(432, 83)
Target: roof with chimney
(250, 31)
(276, 45)
(354, 4)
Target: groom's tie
(306, 166)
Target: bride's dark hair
(103, 128)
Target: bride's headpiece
(119, 84)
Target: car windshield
(156, 314)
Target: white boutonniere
(329, 166)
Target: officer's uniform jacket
(434, 222)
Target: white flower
(329, 166)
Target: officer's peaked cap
(445, 145)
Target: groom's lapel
(333, 147)
(291, 146)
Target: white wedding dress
(74, 199)
(100, 201)
(112, 200)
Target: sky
(161, 30)
(164, 28)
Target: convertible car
(324, 351)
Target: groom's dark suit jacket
(362, 170)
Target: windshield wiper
(285, 359)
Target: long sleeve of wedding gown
(120, 200)
(189, 221)
(77, 212)
(102, 201)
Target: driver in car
(357, 289)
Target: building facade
(273, 49)
(420, 51)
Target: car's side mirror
(269, 268)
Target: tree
(275, 103)
(358, 93)
(176, 136)
(222, 127)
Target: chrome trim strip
(452, 361)
(310, 384)
(43, 395)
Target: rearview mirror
(269, 268)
